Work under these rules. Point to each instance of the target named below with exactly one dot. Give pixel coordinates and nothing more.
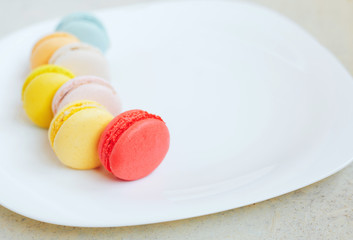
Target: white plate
(255, 106)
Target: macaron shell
(43, 50)
(140, 149)
(38, 95)
(88, 32)
(82, 62)
(94, 92)
(52, 36)
(45, 69)
(76, 142)
(79, 16)
(65, 114)
(115, 129)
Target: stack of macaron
(68, 91)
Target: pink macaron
(87, 88)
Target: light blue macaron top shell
(85, 27)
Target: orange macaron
(46, 47)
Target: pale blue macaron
(87, 28)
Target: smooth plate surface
(255, 106)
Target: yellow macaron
(39, 89)
(75, 131)
(46, 47)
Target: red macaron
(133, 144)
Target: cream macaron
(81, 59)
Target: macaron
(81, 59)
(87, 28)
(75, 131)
(133, 144)
(39, 89)
(46, 46)
(87, 88)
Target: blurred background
(329, 21)
(323, 210)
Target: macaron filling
(73, 84)
(66, 113)
(45, 69)
(122, 123)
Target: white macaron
(82, 59)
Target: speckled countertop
(323, 210)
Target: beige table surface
(323, 210)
